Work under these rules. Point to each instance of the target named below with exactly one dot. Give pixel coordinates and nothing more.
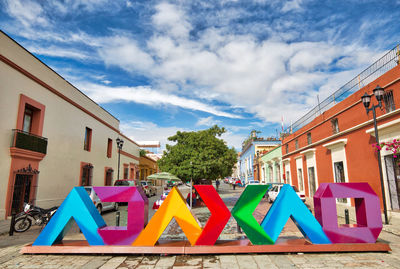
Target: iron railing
(28, 141)
(377, 69)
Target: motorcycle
(33, 215)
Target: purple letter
(368, 212)
(137, 214)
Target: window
(88, 139)
(335, 126)
(27, 123)
(287, 148)
(309, 139)
(109, 148)
(296, 144)
(87, 173)
(389, 101)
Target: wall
(67, 114)
(357, 152)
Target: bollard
(11, 232)
(346, 216)
(117, 214)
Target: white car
(159, 202)
(100, 205)
(253, 182)
(274, 191)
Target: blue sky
(163, 66)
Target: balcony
(28, 141)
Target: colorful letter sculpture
(288, 204)
(322, 229)
(243, 210)
(123, 235)
(80, 207)
(220, 215)
(368, 213)
(174, 206)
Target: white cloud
(59, 52)
(207, 121)
(171, 19)
(147, 95)
(27, 12)
(268, 78)
(125, 53)
(294, 5)
(139, 131)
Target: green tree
(200, 155)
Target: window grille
(389, 101)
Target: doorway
(109, 177)
(21, 192)
(393, 180)
(339, 177)
(311, 179)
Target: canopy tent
(163, 176)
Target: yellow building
(147, 167)
(52, 136)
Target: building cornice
(337, 143)
(308, 151)
(371, 131)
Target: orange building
(334, 142)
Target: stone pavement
(10, 257)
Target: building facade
(272, 166)
(337, 146)
(52, 136)
(147, 167)
(252, 149)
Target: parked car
(100, 205)
(274, 191)
(254, 182)
(148, 188)
(125, 182)
(159, 202)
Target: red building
(336, 143)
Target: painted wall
(272, 163)
(67, 114)
(352, 145)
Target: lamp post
(366, 99)
(120, 143)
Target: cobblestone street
(11, 258)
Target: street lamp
(120, 143)
(366, 99)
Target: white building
(52, 136)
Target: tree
(142, 153)
(198, 155)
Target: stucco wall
(64, 126)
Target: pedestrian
(217, 184)
(194, 198)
